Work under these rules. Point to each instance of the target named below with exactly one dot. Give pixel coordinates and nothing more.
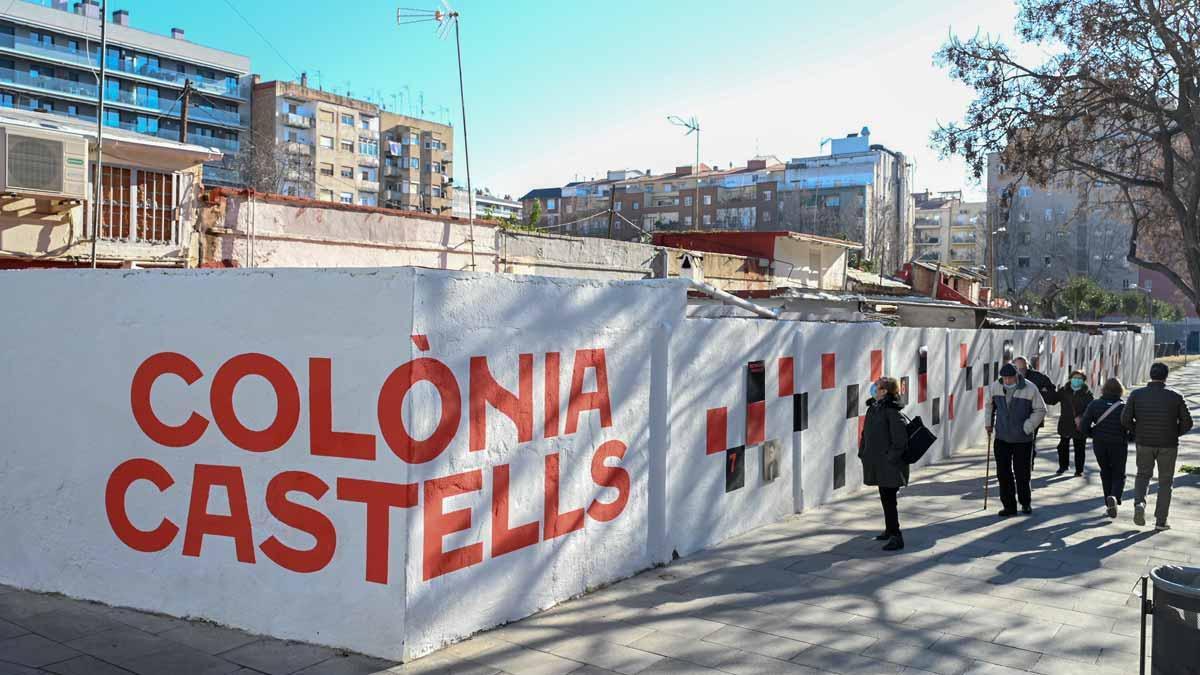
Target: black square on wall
(1008, 351)
(851, 401)
(735, 468)
(800, 411)
(987, 374)
(937, 411)
(923, 360)
(996, 369)
(839, 471)
(756, 382)
(970, 380)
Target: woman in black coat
(884, 440)
(1110, 441)
(1074, 397)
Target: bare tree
(276, 167)
(1117, 101)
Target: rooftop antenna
(693, 126)
(446, 18)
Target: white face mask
(1010, 387)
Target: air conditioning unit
(43, 163)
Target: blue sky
(560, 90)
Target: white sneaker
(1139, 514)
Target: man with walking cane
(1014, 411)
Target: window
(687, 221)
(346, 198)
(291, 136)
(367, 199)
(618, 206)
(666, 187)
(1024, 191)
(326, 116)
(766, 195)
(687, 201)
(1049, 215)
(414, 163)
(549, 204)
(1024, 237)
(435, 191)
(347, 172)
(570, 208)
(1023, 261)
(1046, 260)
(707, 219)
(72, 109)
(326, 169)
(368, 147)
(368, 173)
(348, 120)
(413, 139)
(138, 205)
(364, 122)
(766, 216)
(291, 108)
(327, 142)
(636, 206)
(833, 201)
(72, 45)
(347, 146)
(707, 202)
(327, 195)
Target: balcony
(216, 175)
(226, 145)
(213, 116)
(48, 83)
(391, 170)
(90, 60)
(301, 121)
(928, 222)
(297, 148)
(368, 160)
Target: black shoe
(894, 543)
(1004, 513)
(1060, 472)
(883, 536)
(1027, 510)
(1079, 473)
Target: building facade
(1045, 234)
(487, 205)
(49, 56)
(314, 144)
(546, 203)
(418, 163)
(949, 230)
(858, 192)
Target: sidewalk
(1052, 593)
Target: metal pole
(1146, 608)
(462, 97)
(697, 172)
(987, 471)
(99, 176)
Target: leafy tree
(535, 214)
(1116, 101)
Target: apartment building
(546, 201)
(49, 56)
(1045, 234)
(315, 144)
(418, 164)
(949, 230)
(487, 205)
(858, 192)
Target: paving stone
(120, 644)
(84, 665)
(777, 647)
(834, 661)
(179, 659)
(69, 623)
(8, 668)
(278, 657)
(985, 668)
(610, 656)
(673, 667)
(745, 663)
(34, 650)
(351, 664)
(517, 660)
(438, 665)
(24, 604)
(8, 630)
(918, 657)
(147, 622)
(989, 652)
(699, 652)
(208, 638)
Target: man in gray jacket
(1157, 417)
(1014, 411)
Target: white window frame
(178, 185)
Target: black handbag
(920, 439)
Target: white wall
(452, 565)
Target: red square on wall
(756, 422)
(922, 387)
(951, 406)
(979, 401)
(787, 376)
(828, 371)
(876, 364)
(962, 355)
(716, 430)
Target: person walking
(1044, 386)
(1073, 397)
(881, 450)
(1157, 417)
(1014, 411)
(1110, 441)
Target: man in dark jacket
(1014, 411)
(1045, 387)
(1157, 417)
(881, 449)
(1110, 441)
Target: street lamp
(444, 18)
(693, 126)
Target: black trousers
(891, 516)
(1064, 452)
(1112, 459)
(1013, 466)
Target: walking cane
(987, 472)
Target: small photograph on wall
(904, 391)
